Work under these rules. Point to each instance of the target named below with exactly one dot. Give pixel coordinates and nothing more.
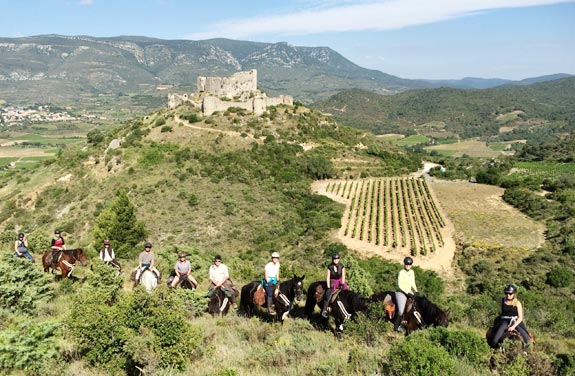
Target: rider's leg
(523, 332)
(499, 333)
(211, 290)
(192, 281)
(175, 281)
(269, 297)
(401, 299)
(326, 297)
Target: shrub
(22, 286)
(192, 117)
(30, 346)
(462, 344)
(560, 277)
(166, 128)
(417, 355)
(160, 121)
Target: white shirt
(272, 270)
(218, 273)
(107, 256)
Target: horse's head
(442, 318)
(80, 255)
(298, 287)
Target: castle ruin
(220, 93)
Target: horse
(65, 261)
(387, 298)
(115, 264)
(149, 280)
(182, 282)
(219, 303)
(513, 335)
(283, 297)
(314, 296)
(422, 313)
(345, 306)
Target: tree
(119, 224)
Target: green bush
(160, 121)
(462, 344)
(192, 117)
(560, 277)
(22, 286)
(29, 346)
(418, 355)
(166, 128)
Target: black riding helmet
(510, 289)
(21, 235)
(217, 257)
(335, 256)
(148, 245)
(408, 261)
(56, 231)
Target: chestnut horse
(65, 261)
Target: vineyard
(544, 170)
(389, 214)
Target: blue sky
(432, 39)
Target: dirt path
(439, 261)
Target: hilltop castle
(220, 93)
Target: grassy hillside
(545, 109)
(239, 185)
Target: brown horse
(65, 261)
(421, 313)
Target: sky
(428, 39)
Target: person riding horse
(271, 279)
(146, 261)
(219, 276)
(57, 245)
(21, 247)
(108, 257)
(335, 279)
(183, 270)
(406, 286)
(511, 318)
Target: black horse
(219, 303)
(182, 282)
(315, 293)
(513, 335)
(387, 298)
(422, 313)
(288, 291)
(345, 306)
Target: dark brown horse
(421, 313)
(219, 303)
(512, 335)
(65, 261)
(345, 306)
(287, 292)
(387, 298)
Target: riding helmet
(148, 245)
(408, 261)
(217, 257)
(106, 242)
(182, 255)
(21, 235)
(56, 231)
(275, 255)
(510, 289)
(335, 256)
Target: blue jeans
(24, 254)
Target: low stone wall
(254, 105)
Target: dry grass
(472, 148)
(479, 214)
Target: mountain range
(60, 69)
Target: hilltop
(510, 112)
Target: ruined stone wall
(256, 105)
(174, 100)
(229, 87)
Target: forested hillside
(534, 112)
(239, 185)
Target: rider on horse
(21, 247)
(57, 245)
(406, 286)
(183, 269)
(146, 260)
(335, 279)
(271, 279)
(511, 317)
(219, 276)
(107, 255)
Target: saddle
(260, 296)
(333, 296)
(319, 291)
(389, 306)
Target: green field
(472, 148)
(543, 169)
(411, 140)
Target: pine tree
(118, 223)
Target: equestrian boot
(270, 303)
(397, 323)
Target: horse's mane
(354, 300)
(427, 308)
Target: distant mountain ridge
(56, 68)
(487, 83)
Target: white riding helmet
(275, 254)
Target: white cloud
(86, 2)
(370, 15)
